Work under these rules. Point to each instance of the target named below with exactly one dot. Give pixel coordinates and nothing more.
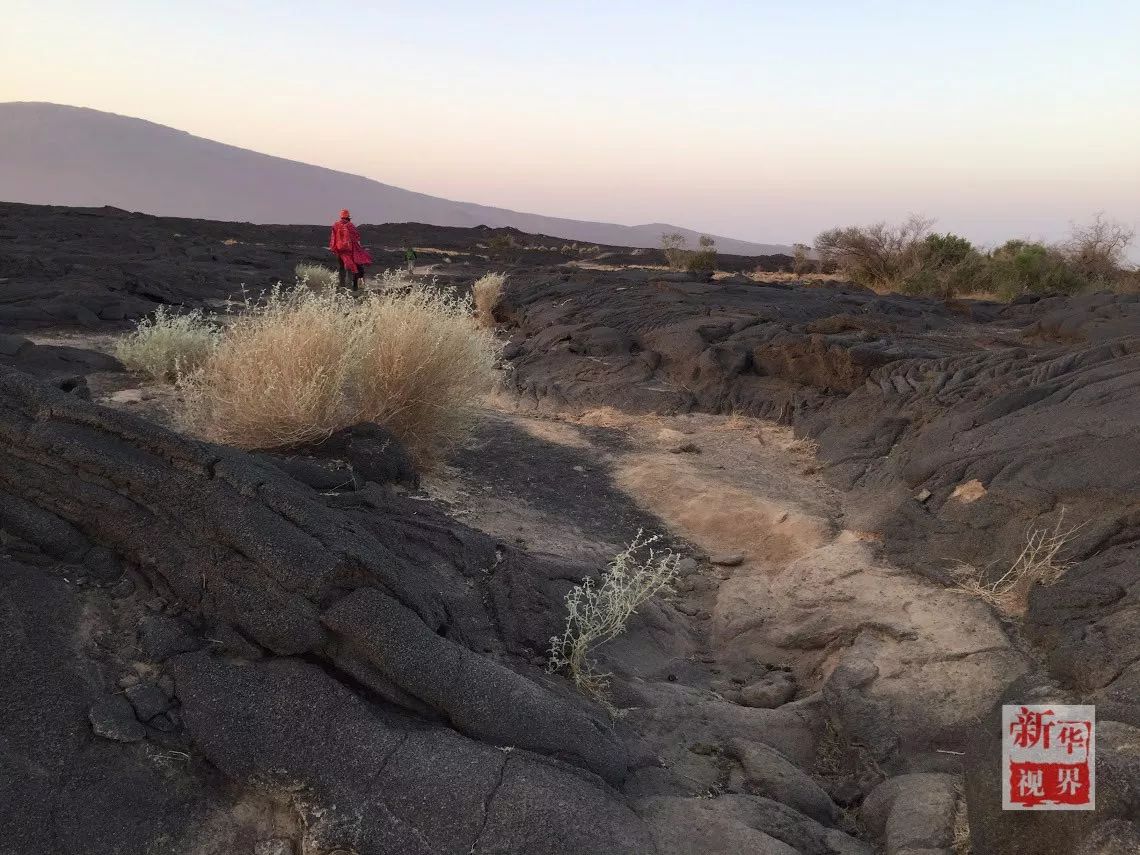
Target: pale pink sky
(749, 119)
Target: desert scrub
(394, 280)
(297, 366)
(420, 367)
(167, 344)
(316, 276)
(1038, 563)
(910, 259)
(487, 293)
(597, 612)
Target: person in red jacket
(351, 257)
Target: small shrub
(1037, 563)
(299, 366)
(487, 293)
(167, 345)
(598, 612)
(316, 276)
(801, 262)
(675, 247)
(704, 259)
(394, 280)
(504, 248)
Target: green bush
(1021, 267)
(946, 265)
(704, 259)
(910, 259)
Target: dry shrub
(167, 345)
(678, 256)
(299, 366)
(316, 276)
(704, 259)
(1098, 250)
(394, 280)
(488, 292)
(801, 258)
(675, 248)
(961, 843)
(277, 377)
(803, 445)
(1037, 563)
(598, 612)
(421, 365)
(878, 256)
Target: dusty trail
(871, 670)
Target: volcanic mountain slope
(218, 650)
(54, 154)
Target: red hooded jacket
(344, 240)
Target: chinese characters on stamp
(1048, 753)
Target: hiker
(351, 257)
(410, 258)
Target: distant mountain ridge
(52, 154)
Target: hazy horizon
(754, 120)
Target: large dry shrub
(878, 256)
(1097, 250)
(300, 365)
(487, 293)
(168, 344)
(420, 366)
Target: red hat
(344, 215)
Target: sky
(767, 121)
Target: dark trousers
(341, 270)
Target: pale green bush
(394, 280)
(597, 612)
(316, 276)
(166, 344)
